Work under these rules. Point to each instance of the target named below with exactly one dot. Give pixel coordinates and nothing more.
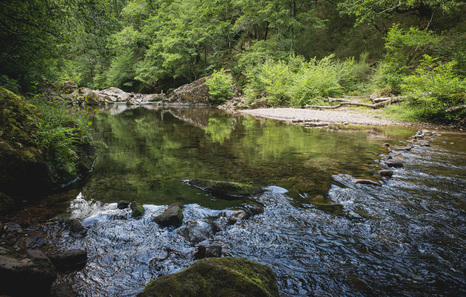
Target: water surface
(322, 234)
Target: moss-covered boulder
(38, 155)
(216, 277)
(171, 216)
(137, 210)
(22, 166)
(225, 189)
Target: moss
(18, 119)
(137, 209)
(225, 189)
(216, 277)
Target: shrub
(316, 80)
(219, 86)
(434, 87)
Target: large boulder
(225, 189)
(24, 160)
(195, 92)
(20, 157)
(216, 277)
(69, 260)
(32, 275)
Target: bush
(434, 87)
(316, 80)
(219, 86)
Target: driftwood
(323, 107)
(455, 108)
(342, 101)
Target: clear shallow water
(322, 234)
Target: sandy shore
(311, 117)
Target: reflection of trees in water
(219, 128)
(154, 154)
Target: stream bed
(320, 232)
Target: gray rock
(394, 162)
(77, 230)
(386, 173)
(63, 290)
(196, 232)
(237, 216)
(171, 216)
(225, 189)
(123, 204)
(208, 251)
(30, 276)
(69, 260)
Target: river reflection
(322, 234)
(150, 153)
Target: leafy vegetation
(292, 52)
(219, 86)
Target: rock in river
(211, 277)
(225, 189)
(367, 181)
(394, 162)
(386, 172)
(30, 276)
(137, 210)
(71, 259)
(171, 216)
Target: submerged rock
(171, 216)
(211, 277)
(196, 232)
(367, 181)
(225, 189)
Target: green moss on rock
(219, 277)
(225, 189)
(137, 210)
(171, 216)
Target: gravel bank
(311, 117)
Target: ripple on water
(404, 238)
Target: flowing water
(321, 233)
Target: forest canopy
(291, 52)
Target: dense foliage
(292, 52)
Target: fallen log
(323, 107)
(346, 102)
(455, 108)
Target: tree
(376, 11)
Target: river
(320, 232)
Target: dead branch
(455, 108)
(343, 101)
(322, 107)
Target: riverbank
(343, 116)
